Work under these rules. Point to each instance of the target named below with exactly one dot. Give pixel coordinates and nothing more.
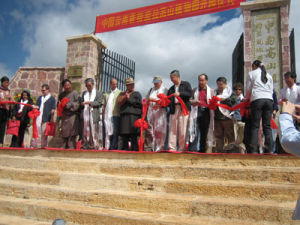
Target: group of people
(107, 120)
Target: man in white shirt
(291, 92)
(178, 121)
(156, 117)
(111, 115)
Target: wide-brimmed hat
(156, 79)
(129, 81)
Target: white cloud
(46, 33)
(157, 49)
(181, 44)
(4, 71)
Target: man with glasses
(238, 124)
(46, 104)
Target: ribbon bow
(61, 106)
(140, 123)
(33, 114)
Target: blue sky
(34, 32)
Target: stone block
(42, 75)
(32, 75)
(33, 85)
(22, 84)
(13, 85)
(51, 76)
(24, 75)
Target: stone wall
(32, 78)
(84, 52)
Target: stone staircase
(38, 186)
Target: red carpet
(135, 152)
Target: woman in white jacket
(259, 90)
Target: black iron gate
(292, 48)
(114, 65)
(238, 62)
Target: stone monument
(266, 37)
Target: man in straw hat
(130, 103)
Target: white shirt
(176, 91)
(291, 94)
(256, 89)
(289, 135)
(154, 92)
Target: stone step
(222, 160)
(82, 214)
(256, 174)
(14, 220)
(225, 188)
(158, 203)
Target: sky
(34, 32)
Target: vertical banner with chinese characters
(266, 42)
(161, 12)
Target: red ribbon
(164, 101)
(142, 124)
(243, 106)
(12, 103)
(33, 114)
(61, 106)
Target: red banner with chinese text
(161, 12)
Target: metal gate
(114, 65)
(292, 49)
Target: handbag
(13, 127)
(50, 129)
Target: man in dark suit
(46, 103)
(178, 122)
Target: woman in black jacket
(20, 112)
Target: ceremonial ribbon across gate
(164, 101)
(142, 124)
(33, 114)
(243, 106)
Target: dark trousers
(69, 142)
(203, 120)
(261, 109)
(125, 138)
(114, 138)
(247, 133)
(3, 121)
(18, 141)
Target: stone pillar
(83, 59)
(266, 37)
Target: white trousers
(42, 140)
(178, 130)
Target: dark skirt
(127, 124)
